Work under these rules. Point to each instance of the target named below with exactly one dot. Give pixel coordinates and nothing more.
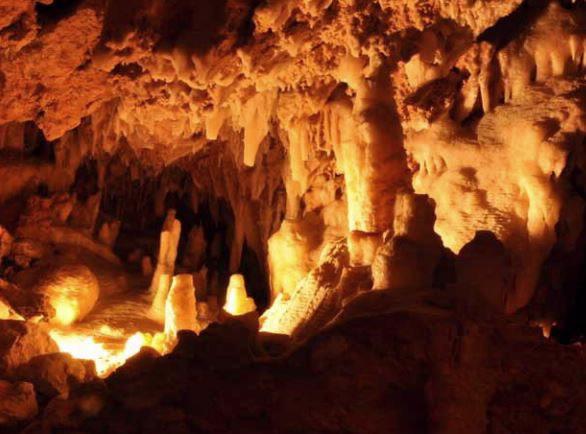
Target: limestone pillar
(180, 306)
(165, 265)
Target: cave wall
(318, 112)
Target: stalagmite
(237, 300)
(161, 281)
(109, 233)
(180, 306)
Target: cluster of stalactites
(502, 174)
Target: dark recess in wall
(57, 10)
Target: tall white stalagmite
(165, 265)
(180, 306)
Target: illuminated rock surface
(66, 294)
(164, 271)
(180, 306)
(237, 300)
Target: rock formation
(64, 294)
(401, 185)
(161, 282)
(53, 374)
(388, 371)
(21, 341)
(17, 402)
(180, 306)
(237, 300)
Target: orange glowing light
(107, 358)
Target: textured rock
(290, 255)
(17, 300)
(63, 414)
(485, 271)
(55, 64)
(25, 251)
(409, 258)
(63, 294)
(394, 360)
(314, 301)
(512, 192)
(329, 99)
(21, 341)
(295, 133)
(6, 310)
(5, 243)
(17, 402)
(54, 374)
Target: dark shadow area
(251, 267)
(36, 145)
(194, 25)
(568, 300)
(86, 180)
(511, 26)
(51, 13)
